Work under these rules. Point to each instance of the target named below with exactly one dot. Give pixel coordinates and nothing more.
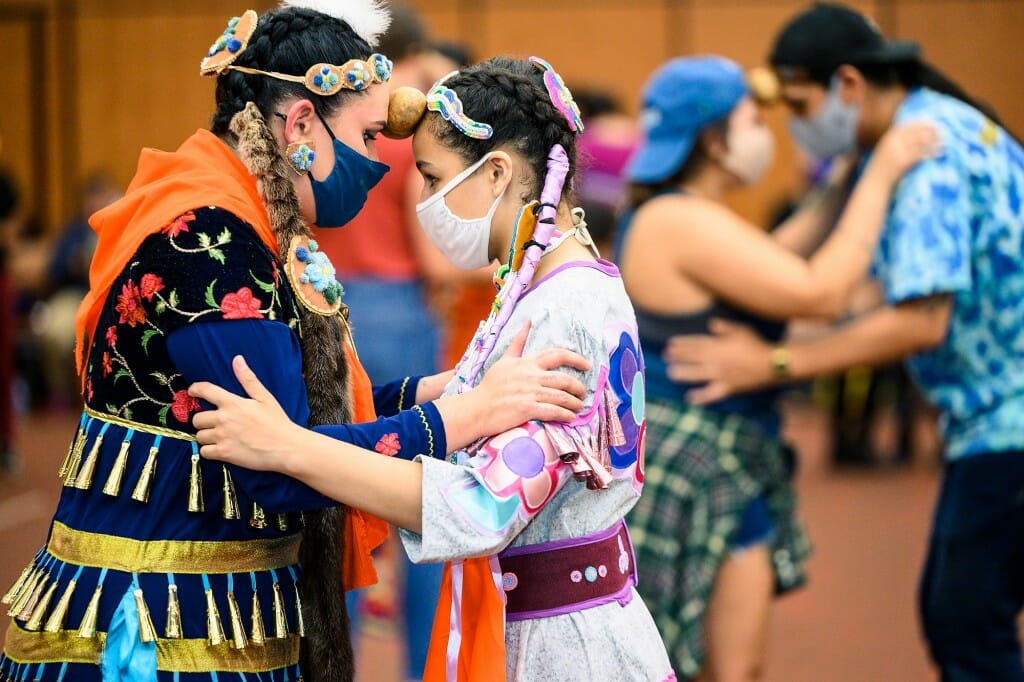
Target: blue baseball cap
(681, 99)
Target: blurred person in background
(11, 222)
(65, 285)
(716, 532)
(609, 138)
(385, 262)
(951, 267)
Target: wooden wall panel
(136, 84)
(17, 146)
(978, 44)
(615, 49)
(140, 85)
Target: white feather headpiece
(368, 18)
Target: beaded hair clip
(560, 96)
(446, 102)
(321, 79)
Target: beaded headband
(446, 102)
(321, 79)
(560, 96)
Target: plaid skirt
(702, 470)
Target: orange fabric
(203, 172)
(363, 532)
(471, 303)
(482, 654)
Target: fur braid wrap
(326, 652)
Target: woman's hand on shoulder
(519, 389)
(902, 147)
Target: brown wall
(87, 83)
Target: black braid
(286, 40)
(509, 95)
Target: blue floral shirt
(955, 227)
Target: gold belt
(138, 426)
(171, 556)
(181, 655)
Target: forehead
(373, 101)
(428, 149)
(801, 91)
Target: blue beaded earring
(301, 156)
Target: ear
(714, 144)
(852, 86)
(298, 122)
(499, 172)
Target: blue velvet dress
(160, 565)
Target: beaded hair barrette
(446, 102)
(560, 96)
(321, 79)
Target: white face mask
(463, 242)
(833, 131)
(751, 151)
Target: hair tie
(560, 95)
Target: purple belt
(563, 576)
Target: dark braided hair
(509, 95)
(286, 40)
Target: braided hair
(287, 40)
(509, 95)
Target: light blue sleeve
(926, 245)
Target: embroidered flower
(388, 444)
(179, 224)
(108, 365)
(129, 304)
(149, 285)
(112, 335)
(88, 389)
(183, 406)
(241, 305)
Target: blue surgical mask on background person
(464, 242)
(832, 131)
(342, 194)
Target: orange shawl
(205, 172)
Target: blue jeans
(396, 335)
(972, 589)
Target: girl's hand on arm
(901, 148)
(515, 390)
(254, 432)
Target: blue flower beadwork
(302, 157)
(358, 77)
(381, 66)
(227, 40)
(326, 80)
(319, 272)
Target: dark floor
(855, 621)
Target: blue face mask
(341, 195)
